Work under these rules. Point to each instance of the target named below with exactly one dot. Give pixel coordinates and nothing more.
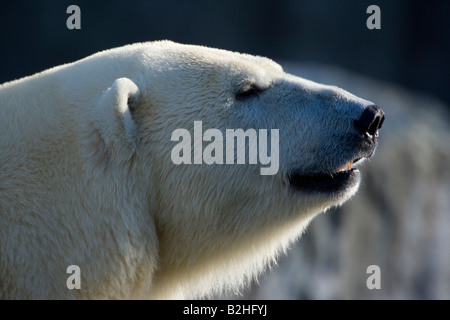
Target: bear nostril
(371, 120)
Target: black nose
(371, 120)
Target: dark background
(411, 49)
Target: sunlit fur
(86, 176)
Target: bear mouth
(340, 180)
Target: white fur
(86, 176)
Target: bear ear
(113, 118)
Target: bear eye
(248, 92)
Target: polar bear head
(218, 220)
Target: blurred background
(400, 218)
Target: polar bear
(87, 178)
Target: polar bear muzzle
(344, 177)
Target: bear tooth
(346, 167)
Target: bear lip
(325, 183)
(339, 181)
